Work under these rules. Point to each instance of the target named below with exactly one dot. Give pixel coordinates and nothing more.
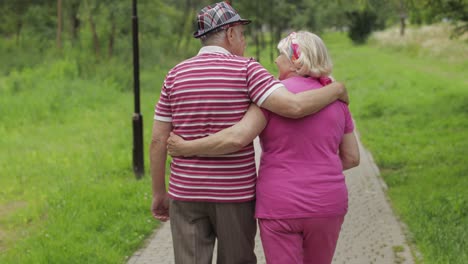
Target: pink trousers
(305, 240)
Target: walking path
(371, 234)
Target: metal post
(138, 158)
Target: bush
(361, 25)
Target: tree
(254, 10)
(15, 11)
(72, 8)
(454, 10)
(59, 24)
(401, 7)
(113, 30)
(91, 10)
(362, 24)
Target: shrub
(361, 25)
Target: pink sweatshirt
(300, 171)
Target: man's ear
(230, 34)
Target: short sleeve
(260, 82)
(349, 124)
(163, 110)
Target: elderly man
(212, 198)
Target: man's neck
(214, 49)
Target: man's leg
(192, 233)
(282, 240)
(235, 227)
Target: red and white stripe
(202, 96)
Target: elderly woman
(301, 191)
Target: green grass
(68, 192)
(412, 113)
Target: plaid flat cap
(216, 16)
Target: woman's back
(300, 171)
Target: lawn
(68, 192)
(412, 113)
(411, 109)
(69, 195)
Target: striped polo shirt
(201, 96)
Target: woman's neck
(291, 74)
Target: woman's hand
(176, 145)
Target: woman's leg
(282, 241)
(320, 238)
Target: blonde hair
(313, 59)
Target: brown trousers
(196, 225)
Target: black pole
(138, 160)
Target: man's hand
(175, 146)
(344, 96)
(160, 207)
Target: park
(69, 193)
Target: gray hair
(215, 37)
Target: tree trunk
(112, 35)
(183, 25)
(257, 32)
(402, 25)
(187, 36)
(19, 26)
(275, 40)
(402, 11)
(271, 50)
(272, 28)
(262, 38)
(59, 24)
(95, 36)
(75, 21)
(257, 45)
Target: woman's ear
(293, 67)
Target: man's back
(207, 93)
(202, 96)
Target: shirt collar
(213, 49)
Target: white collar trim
(213, 49)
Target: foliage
(430, 11)
(362, 25)
(455, 10)
(104, 26)
(65, 120)
(411, 112)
